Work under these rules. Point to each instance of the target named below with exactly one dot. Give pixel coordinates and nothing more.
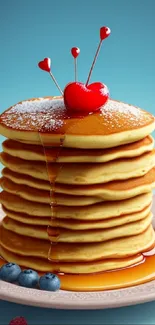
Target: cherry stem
(56, 82)
(75, 67)
(94, 61)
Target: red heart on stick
(75, 52)
(104, 32)
(45, 64)
(86, 99)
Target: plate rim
(78, 300)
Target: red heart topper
(86, 99)
(45, 64)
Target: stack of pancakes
(76, 191)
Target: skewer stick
(94, 61)
(46, 66)
(56, 82)
(75, 52)
(75, 67)
(104, 33)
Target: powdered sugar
(112, 107)
(118, 115)
(52, 125)
(40, 105)
(36, 114)
(49, 114)
(44, 105)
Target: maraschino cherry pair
(78, 97)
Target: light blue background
(31, 30)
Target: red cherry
(45, 64)
(75, 52)
(86, 99)
(104, 32)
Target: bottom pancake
(77, 253)
(44, 265)
(139, 273)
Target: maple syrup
(52, 173)
(110, 280)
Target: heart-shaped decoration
(75, 52)
(86, 99)
(104, 32)
(45, 64)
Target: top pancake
(115, 124)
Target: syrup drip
(53, 173)
(52, 176)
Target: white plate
(79, 300)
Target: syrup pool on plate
(123, 278)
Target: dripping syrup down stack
(76, 191)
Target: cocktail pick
(46, 66)
(104, 33)
(75, 52)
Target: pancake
(68, 155)
(78, 236)
(73, 224)
(115, 124)
(17, 204)
(112, 249)
(83, 174)
(86, 195)
(26, 179)
(33, 195)
(104, 210)
(115, 190)
(43, 265)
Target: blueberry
(49, 282)
(9, 272)
(28, 279)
